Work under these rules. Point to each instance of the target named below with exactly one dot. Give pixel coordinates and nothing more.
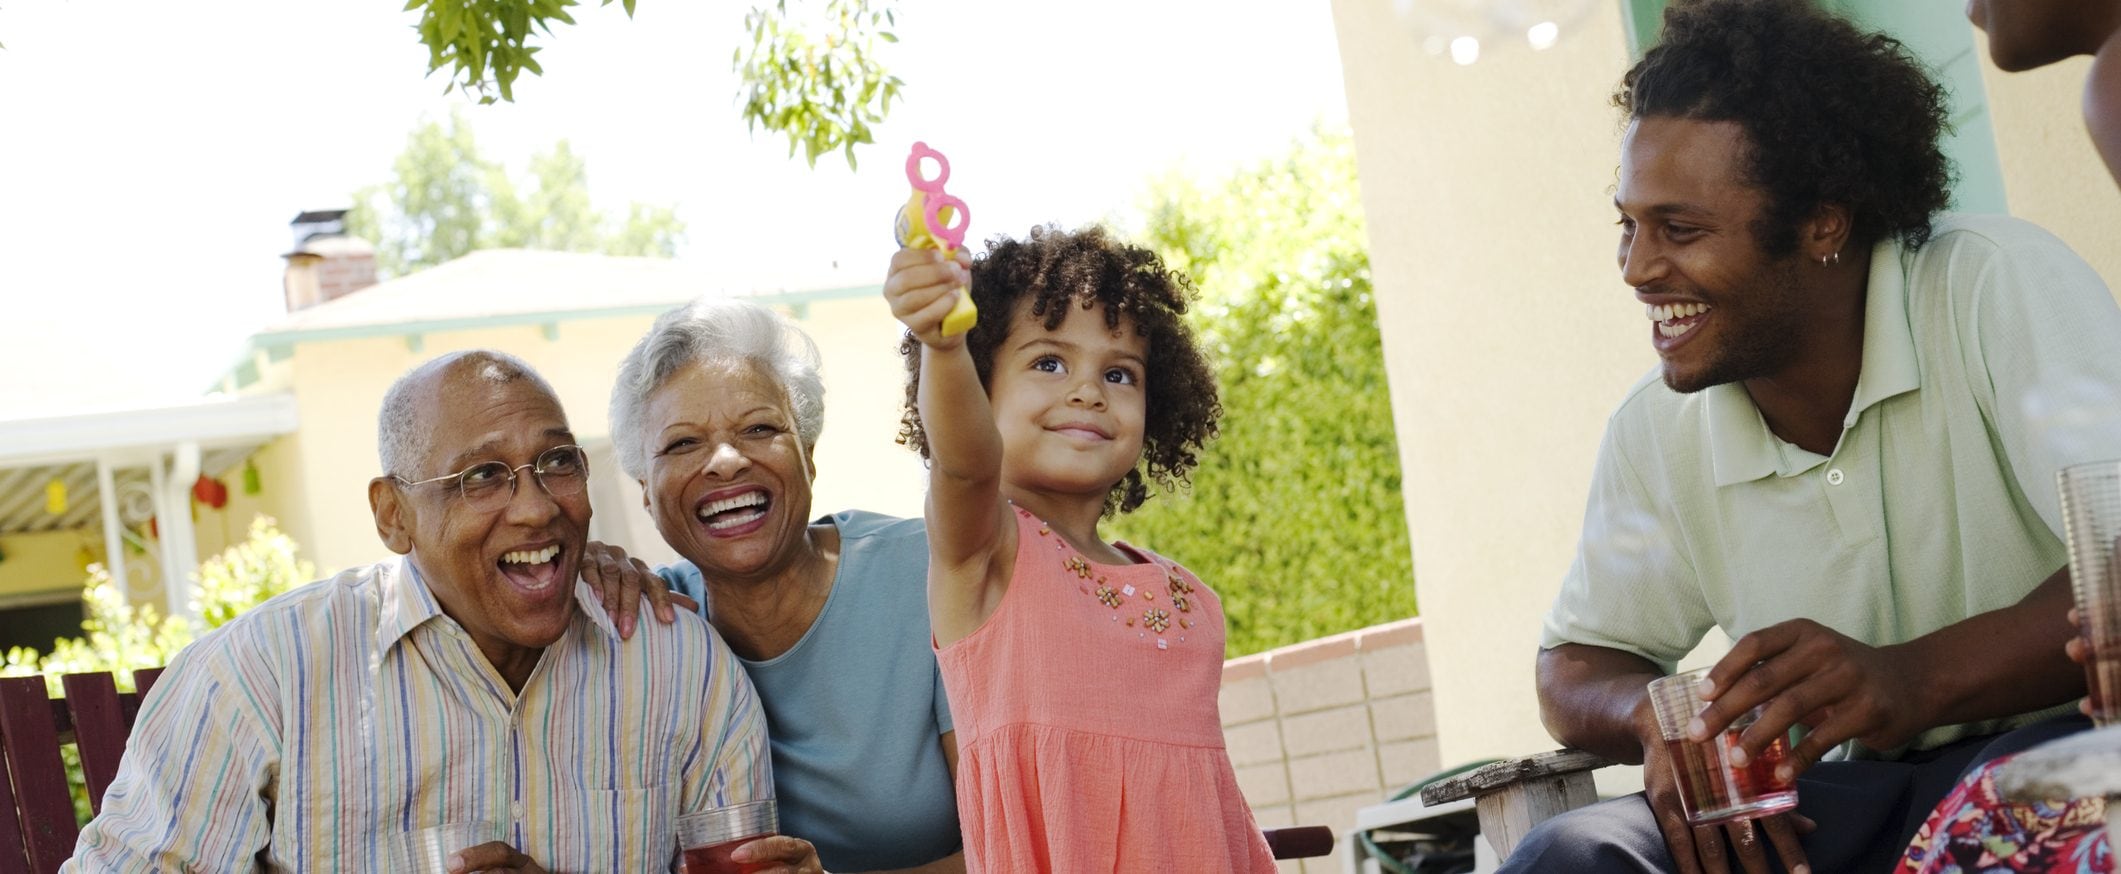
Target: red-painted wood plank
(99, 729)
(31, 743)
(14, 851)
(144, 679)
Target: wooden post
(1513, 796)
(1508, 814)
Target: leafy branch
(486, 42)
(814, 77)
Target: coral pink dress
(1088, 733)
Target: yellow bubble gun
(933, 219)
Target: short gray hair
(715, 330)
(401, 438)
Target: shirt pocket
(604, 830)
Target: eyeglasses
(489, 485)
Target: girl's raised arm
(971, 541)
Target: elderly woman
(715, 413)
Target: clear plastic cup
(706, 840)
(1712, 789)
(2091, 520)
(427, 851)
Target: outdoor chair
(37, 825)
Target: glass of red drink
(1711, 788)
(706, 840)
(2091, 520)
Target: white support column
(180, 541)
(113, 539)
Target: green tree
(810, 73)
(445, 200)
(1295, 514)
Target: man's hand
(790, 855)
(1808, 674)
(621, 580)
(1702, 850)
(493, 857)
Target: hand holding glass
(2091, 520)
(707, 839)
(1711, 788)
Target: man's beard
(1762, 338)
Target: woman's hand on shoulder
(621, 580)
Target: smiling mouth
(1083, 432)
(1674, 320)
(532, 570)
(734, 512)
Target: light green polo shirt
(1991, 358)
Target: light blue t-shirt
(855, 710)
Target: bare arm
(970, 540)
(1595, 698)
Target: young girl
(1082, 675)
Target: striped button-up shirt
(308, 733)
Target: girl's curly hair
(1833, 114)
(1053, 271)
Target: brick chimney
(326, 264)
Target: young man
(1843, 461)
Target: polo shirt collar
(408, 604)
(1741, 447)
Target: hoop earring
(1834, 258)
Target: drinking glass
(1712, 789)
(427, 851)
(707, 839)
(2091, 520)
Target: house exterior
(296, 417)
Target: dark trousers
(1866, 811)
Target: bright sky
(152, 153)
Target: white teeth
(1668, 312)
(524, 556)
(1672, 330)
(734, 521)
(747, 499)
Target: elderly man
(474, 680)
(1848, 461)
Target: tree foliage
(810, 73)
(445, 200)
(814, 76)
(1295, 514)
(486, 43)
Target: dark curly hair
(1833, 114)
(1052, 271)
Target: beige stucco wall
(1509, 336)
(339, 385)
(2051, 174)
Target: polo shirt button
(515, 810)
(1834, 477)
